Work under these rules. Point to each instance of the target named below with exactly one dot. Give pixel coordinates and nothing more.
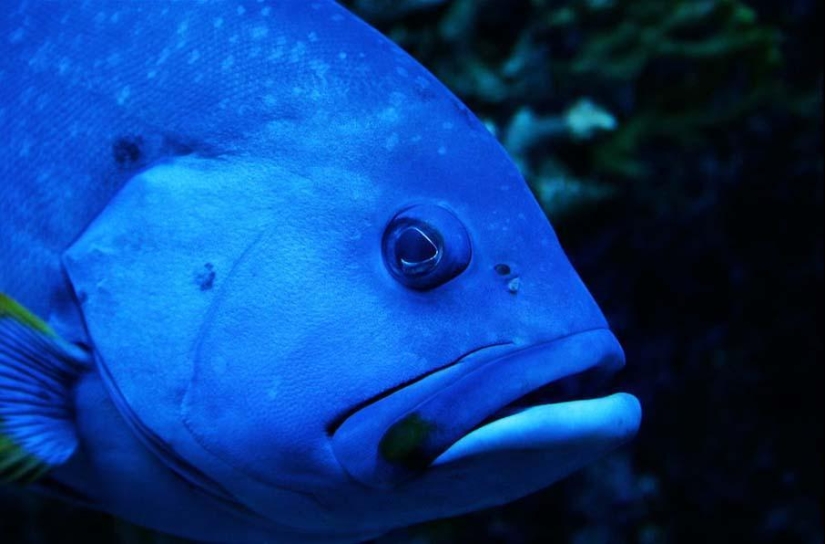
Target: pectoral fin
(37, 373)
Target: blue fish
(265, 279)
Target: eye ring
(425, 246)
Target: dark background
(677, 148)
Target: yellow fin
(11, 308)
(17, 466)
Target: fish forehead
(301, 83)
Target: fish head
(352, 314)
(409, 327)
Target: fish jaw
(597, 425)
(486, 403)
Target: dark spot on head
(205, 278)
(502, 269)
(128, 150)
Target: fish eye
(425, 246)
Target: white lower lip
(598, 423)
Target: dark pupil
(415, 251)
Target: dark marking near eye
(206, 277)
(128, 150)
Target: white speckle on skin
(266, 11)
(183, 27)
(391, 142)
(342, 55)
(389, 115)
(218, 22)
(297, 52)
(442, 150)
(164, 54)
(319, 68)
(397, 99)
(274, 389)
(193, 56)
(241, 10)
(151, 74)
(63, 66)
(123, 95)
(275, 54)
(259, 32)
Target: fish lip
(395, 437)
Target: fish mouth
(398, 436)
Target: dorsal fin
(37, 373)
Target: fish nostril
(502, 269)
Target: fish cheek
(269, 355)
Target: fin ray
(38, 370)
